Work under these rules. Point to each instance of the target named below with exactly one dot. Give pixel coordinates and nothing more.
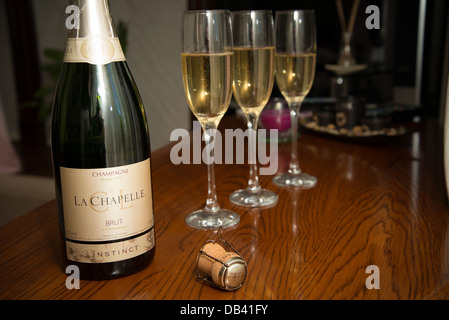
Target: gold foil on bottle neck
(94, 40)
(94, 19)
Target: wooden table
(383, 205)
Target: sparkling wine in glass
(206, 70)
(295, 61)
(253, 78)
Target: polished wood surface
(384, 205)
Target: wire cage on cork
(220, 265)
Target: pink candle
(276, 119)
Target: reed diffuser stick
(355, 8)
(341, 15)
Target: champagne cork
(230, 272)
(205, 263)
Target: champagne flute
(206, 70)
(253, 78)
(295, 60)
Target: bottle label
(95, 49)
(108, 213)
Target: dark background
(397, 38)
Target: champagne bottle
(101, 153)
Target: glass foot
(301, 180)
(207, 220)
(246, 198)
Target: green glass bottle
(101, 153)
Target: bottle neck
(93, 40)
(94, 18)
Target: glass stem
(210, 131)
(294, 115)
(253, 181)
